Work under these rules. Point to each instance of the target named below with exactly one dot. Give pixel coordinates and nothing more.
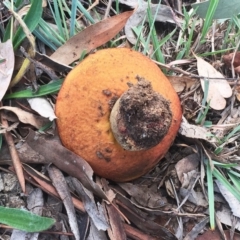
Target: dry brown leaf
(186, 165)
(65, 160)
(237, 69)
(227, 59)
(181, 83)
(138, 217)
(144, 196)
(135, 233)
(224, 215)
(47, 61)
(162, 14)
(46, 186)
(10, 128)
(6, 66)
(26, 117)
(93, 210)
(60, 184)
(90, 38)
(219, 89)
(215, 235)
(193, 131)
(116, 230)
(237, 93)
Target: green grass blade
(235, 181)
(226, 8)
(24, 220)
(224, 165)
(157, 52)
(164, 40)
(234, 173)
(63, 18)
(57, 18)
(73, 18)
(117, 7)
(210, 196)
(85, 12)
(226, 183)
(138, 31)
(44, 39)
(218, 150)
(43, 90)
(190, 38)
(209, 17)
(31, 19)
(18, 3)
(202, 114)
(234, 131)
(215, 52)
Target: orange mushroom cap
(84, 105)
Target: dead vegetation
(194, 188)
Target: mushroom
(119, 112)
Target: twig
(14, 155)
(233, 58)
(179, 70)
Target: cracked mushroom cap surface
(84, 104)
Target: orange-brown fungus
(85, 102)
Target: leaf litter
(167, 202)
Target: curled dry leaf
(138, 217)
(237, 93)
(186, 165)
(216, 235)
(90, 38)
(10, 128)
(146, 197)
(26, 117)
(233, 202)
(95, 234)
(193, 131)
(116, 230)
(6, 66)
(43, 107)
(197, 229)
(227, 59)
(182, 83)
(164, 14)
(219, 88)
(225, 216)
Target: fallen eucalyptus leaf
(93, 210)
(232, 201)
(165, 14)
(43, 107)
(90, 38)
(219, 88)
(6, 66)
(225, 9)
(24, 220)
(26, 117)
(194, 131)
(60, 184)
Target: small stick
(14, 155)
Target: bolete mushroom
(127, 88)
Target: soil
(144, 115)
